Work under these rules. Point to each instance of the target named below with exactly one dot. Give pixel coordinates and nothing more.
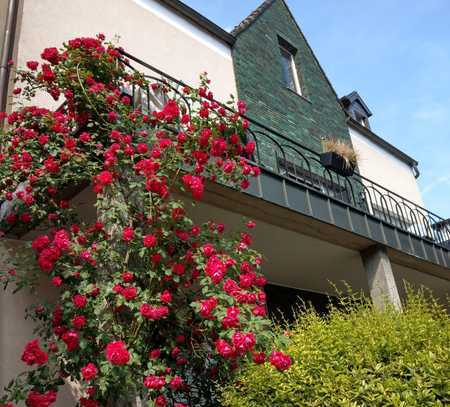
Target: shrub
(357, 356)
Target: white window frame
(297, 86)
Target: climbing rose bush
(152, 306)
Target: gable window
(361, 119)
(290, 77)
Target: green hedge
(357, 356)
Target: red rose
(117, 353)
(36, 399)
(142, 148)
(170, 111)
(47, 74)
(246, 280)
(231, 320)
(195, 184)
(245, 184)
(32, 65)
(154, 382)
(89, 371)
(112, 117)
(224, 349)
(243, 342)
(105, 177)
(259, 357)
(176, 383)
(242, 107)
(129, 293)
(150, 241)
(250, 147)
(160, 401)
(156, 258)
(84, 402)
(178, 269)
(51, 55)
(62, 240)
(40, 242)
(127, 277)
(51, 165)
(70, 338)
(208, 249)
(154, 312)
(215, 269)
(34, 354)
(79, 321)
(57, 281)
(165, 297)
(207, 306)
(85, 137)
(280, 360)
(128, 234)
(259, 311)
(251, 224)
(155, 353)
(79, 301)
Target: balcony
(292, 178)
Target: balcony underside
(309, 240)
(289, 205)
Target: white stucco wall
(382, 167)
(15, 331)
(147, 30)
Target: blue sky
(396, 54)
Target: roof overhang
(199, 20)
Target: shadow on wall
(15, 331)
(282, 302)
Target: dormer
(356, 108)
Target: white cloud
(433, 112)
(436, 182)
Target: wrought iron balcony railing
(289, 159)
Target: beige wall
(385, 169)
(147, 29)
(15, 332)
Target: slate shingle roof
(251, 17)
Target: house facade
(317, 229)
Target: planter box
(336, 163)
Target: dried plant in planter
(339, 156)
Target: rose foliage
(151, 304)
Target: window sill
(298, 94)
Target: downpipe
(8, 48)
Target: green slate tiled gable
(258, 70)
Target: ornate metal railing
(289, 159)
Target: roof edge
(199, 20)
(252, 17)
(382, 143)
(354, 95)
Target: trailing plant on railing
(152, 306)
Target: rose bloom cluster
(145, 293)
